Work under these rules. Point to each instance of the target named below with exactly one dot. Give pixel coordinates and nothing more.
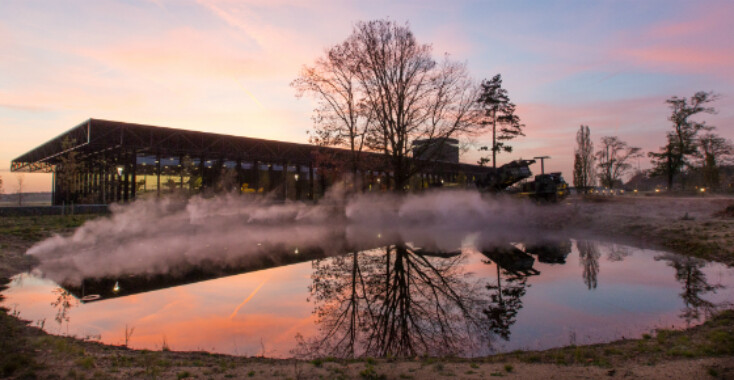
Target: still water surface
(393, 300)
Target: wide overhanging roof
(96, 136)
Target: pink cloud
(693, 45)
(690, 59)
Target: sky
(225, 66)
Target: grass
(715, 338)
(369, 373)
(34, 228)
(16, 357)
(86, 362)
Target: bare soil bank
(684, 225)
(694, 226)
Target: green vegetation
(369, 373)
(715, 338)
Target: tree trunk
(494, 142)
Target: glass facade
(120, 177)
(146, 175)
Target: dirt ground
(695, 226)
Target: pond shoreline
(690, 228)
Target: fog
(158, 236)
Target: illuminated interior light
(116, 288)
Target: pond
(379, 296)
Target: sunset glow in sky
(225, 66)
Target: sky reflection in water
(568, 292)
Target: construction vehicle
(499, 179)
(546, 187)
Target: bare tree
(713, 150)
(390, 92)
(68, 169)
(1, 185)
(614, 156)
(498, 109)
(342, 118)
(19, 190)
(584, 174)
(681, 145)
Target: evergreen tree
(499, 111)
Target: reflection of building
(440, 149)
(121, 161)
(108, 287)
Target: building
(109, 161)
(440, 149)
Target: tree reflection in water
(589, 260)
(506, 299)
(688, 272)
(396, 302)
(64, 301)
(618, 252)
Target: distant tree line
(691, 150)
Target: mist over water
(166, 235)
